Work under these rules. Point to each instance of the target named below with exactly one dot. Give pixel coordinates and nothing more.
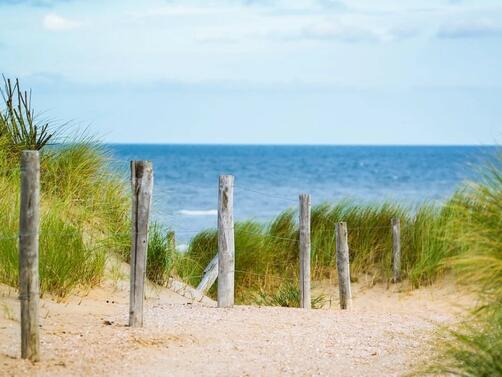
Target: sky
(262, 71)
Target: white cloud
(338, 31)
(54, 22)
(323, 31)
(470, 29)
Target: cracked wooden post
(142, 187)
(396, 250)
(343, 266)
(226, 246)
(29, 284)
(304, 213)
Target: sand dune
(386, 334)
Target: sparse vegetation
(288, 295)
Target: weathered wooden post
(210, 275)
(304, 212)
(226, 246)
(29, 284)
(171, 240)
(396, 250)
(343, 265)
(142, 187)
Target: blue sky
(262, 71)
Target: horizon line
(297, 144)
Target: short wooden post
(142, 187)
(304, 212)
(171, 240)
(226, 246)
(29, 284)
(396, 250)
(343, 266)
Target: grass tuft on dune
(84, 206)
(474, 348)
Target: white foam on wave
(195, 212)
(182, 247)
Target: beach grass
(288, 295)
(474, 348)
(84, 206)
(161, 256)
(85, 196)
(267, 254)
(85, 216)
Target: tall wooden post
(396, 250)
(343, 265)
(226, 246)
(29, 285)
(142, 187)
(304, 212)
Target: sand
(387, 333)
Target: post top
(141, 162)
(226, 178)
(30, 157)
(30, 152)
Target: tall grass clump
(60, 254)
(426, 243)
(475, 347)
(267, 254)
(84, 206)
(161, 254)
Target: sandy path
(384, 335)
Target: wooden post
(210, 275)
(305, 298)
(29, 285)
(171, 240)
(343, 266)
(396, 250)
(142, 187)
(226, 246)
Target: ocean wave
(188, 212)
(182, 247)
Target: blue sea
(268, 179)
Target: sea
(269, 178)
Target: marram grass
(81, 210)
(288, 295)
(85, 215)
(267, 254)
(474, 349)
(83, 205)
